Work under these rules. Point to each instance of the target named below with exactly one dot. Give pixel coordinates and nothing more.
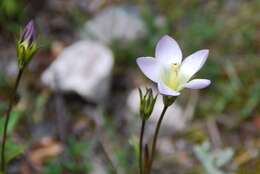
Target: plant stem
(155, 137)
(8, 112)
(146, 159)
(141, 147)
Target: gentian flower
(169, 71)
(26, 46)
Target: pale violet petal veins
(168, 51)
(193, 63)
(149, 67)
(197, 84)
(163, 89)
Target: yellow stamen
(175, 68)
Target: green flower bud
(147, 102)
(26, 46)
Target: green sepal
(168, 100)
(147, 103)
(25, 52)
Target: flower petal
(168, 51)
(163, 89)
(197, 84)
(149, 67)
(193, 63)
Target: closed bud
(26, 46)
(147, 102)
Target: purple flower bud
(28, 33)
(26, 46)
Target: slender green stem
(141, 147)
(146, 159)
(155, 138)
(8, 112)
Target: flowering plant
(171, 75)
(26, 47)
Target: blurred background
(77, 106)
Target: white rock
(98, 167)
(165, 146)
(115, 23)
(84, 67)
(8, 63)
(173, 121)
(12, 68)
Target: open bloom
(169, 71)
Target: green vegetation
(230, 30)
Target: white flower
(168, 70)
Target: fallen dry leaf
(47, 148)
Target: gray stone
(8, 64)
(115, 23)
(98, 167)
(165, 147)
(84, 67)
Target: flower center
(170, 76)
(175, 68)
